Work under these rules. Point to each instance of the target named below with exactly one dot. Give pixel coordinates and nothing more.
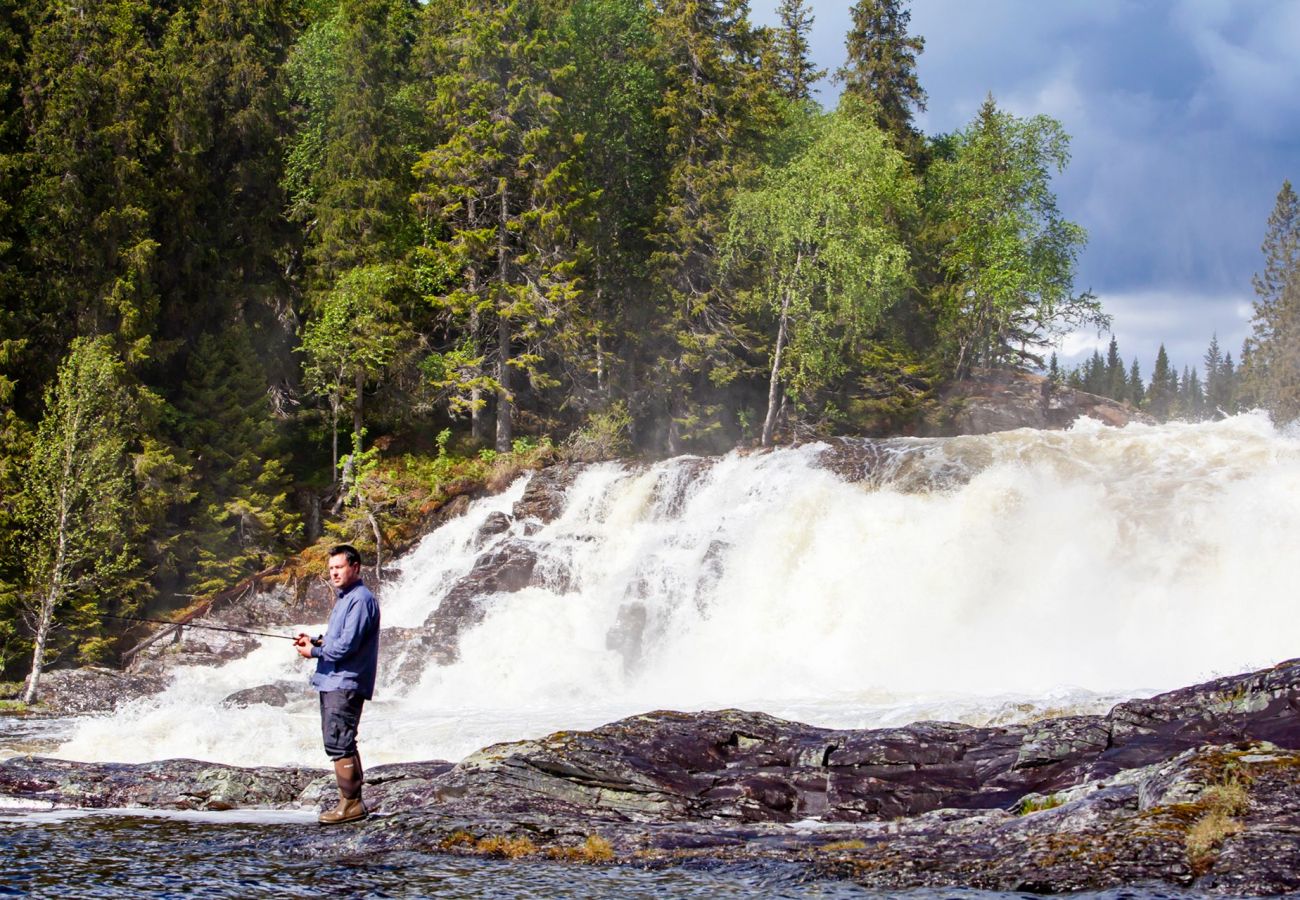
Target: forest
(282, 270)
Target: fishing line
(209, 627)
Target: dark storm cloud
(1185, 119)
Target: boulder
(94, 689)
(993, 401)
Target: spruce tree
(622, 159)
(1159, 396)
(1116, 378)
(796, 72)
(881, 67)
(1275, 342)
(223, 233)
(716, 109)
(1136, 388)
(242, 516)
(95, 114)
(506, 185)
(349, 180)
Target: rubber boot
(347, 772)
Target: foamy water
(1059, 573)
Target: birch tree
(824, 230)
(77, 499)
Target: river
(979, 579)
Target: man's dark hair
(354, 557)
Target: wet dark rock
(277, 694)
(496, 523)
(92, 689)
(169, 784)
(506, 568)
(544, 497)
(932, 804)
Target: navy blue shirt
(348, 655)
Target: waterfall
(981, 579)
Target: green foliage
(823, 233)
(605, 436)
(77, 489)
(505, 184)
(796, 73)
(242, 520)
(1008, 257)
(1038, 803)
(1273, 375)
(880, 72)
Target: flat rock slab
(1197, 787)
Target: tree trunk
(505, 402)
(334, 432)
(774, 383)
(38, 652)
(478, 419)
(50, 601)
(356, 411)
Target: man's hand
(303, 644)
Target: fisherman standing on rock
(347, 656)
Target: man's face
(341, 573)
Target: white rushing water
(1041, 573)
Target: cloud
(1183, 321)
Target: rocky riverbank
(1196, 788)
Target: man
(346, 658)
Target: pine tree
(1136, 388)
(622, 159)
(881, 67)
(95, 112)
(242, 518)
(1160, 398)
(17, 316)
(1226, 388)
(222, 230)
(1116, 378)
(349, 181)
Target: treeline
(1222, 391)
(244, 245)
(1267, 373)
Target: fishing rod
(208, 627)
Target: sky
(1184, 117)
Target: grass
(842, 846)
(1222, 802)
(1034, 803)
(594, 850)
(508, 847)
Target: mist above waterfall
(973, 578)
